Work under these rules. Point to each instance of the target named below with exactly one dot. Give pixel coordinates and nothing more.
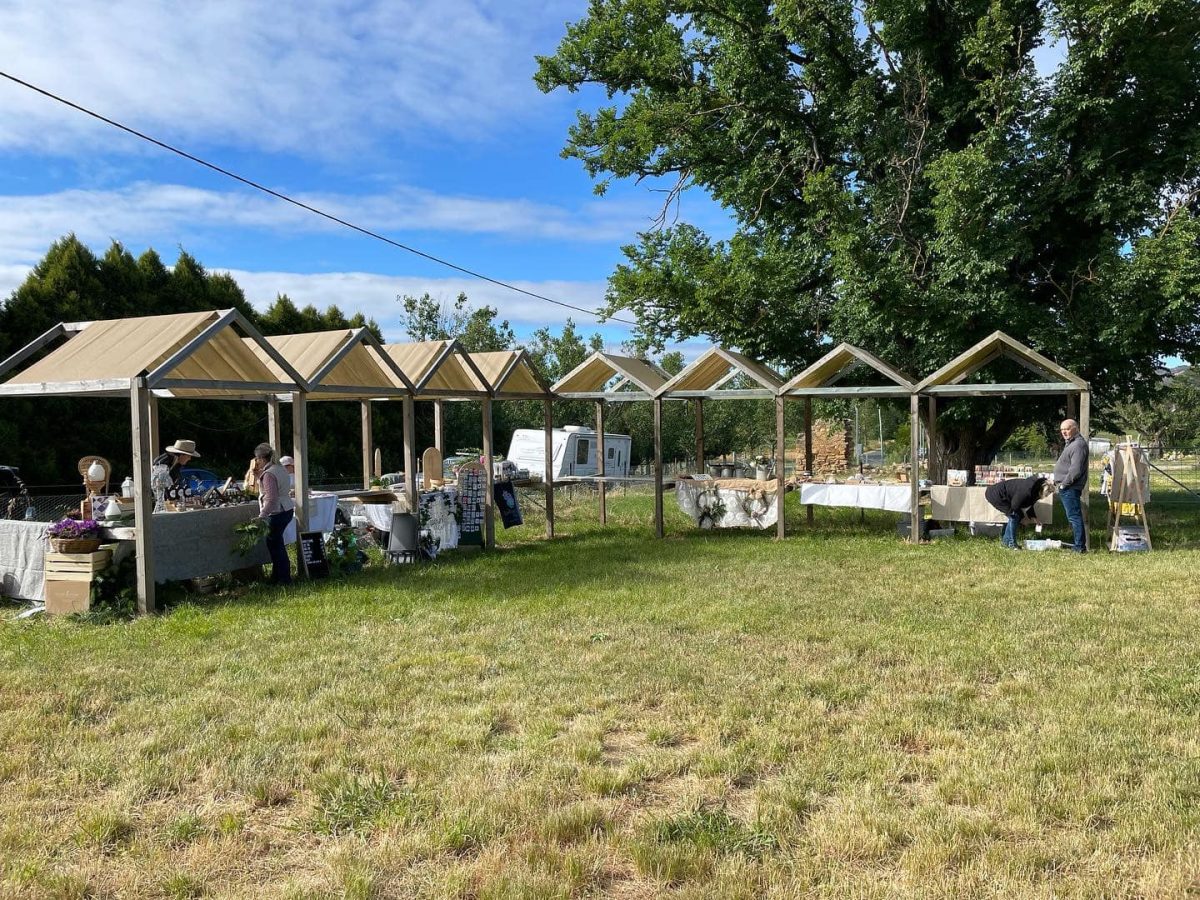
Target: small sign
(506, 502)
(312, 549)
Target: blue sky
(419, 120)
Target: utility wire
(312, 209)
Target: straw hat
(184, 448)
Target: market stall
(608, 378)
(728, 502)
(824, 379)
(952, 381)
(201, 355)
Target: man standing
(1071, 478)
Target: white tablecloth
(743, 508)
(891, 497)
(23, 559)
(322, 507)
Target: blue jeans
(281, 566)
(1009, 537)
(1073, 507)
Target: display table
(322, 512)
(968, 504)
(728, 502)
(889, 497)
(23, 549)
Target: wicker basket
(76, 545)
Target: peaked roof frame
(587, 380)
(517, 364)
(160, 379)
(444, 352)
(820, 379)
(399, 384)
(716, 366)
(950, 379)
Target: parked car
(200, 480)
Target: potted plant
(69, 535)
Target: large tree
(901, 176)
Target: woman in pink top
(275, 507)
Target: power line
(312, 209)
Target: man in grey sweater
(1071, 478)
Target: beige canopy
(202, 354)
(606, 376)
(949, 379)
(820, 379)
(343, 364)
(512, 375)
(716, 367)
(438, 369)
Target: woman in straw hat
(175, 457)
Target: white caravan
(574, 449)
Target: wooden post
(300, 456)
(808, 451)
(780, 457)
(914, 477)
(931, 435)
(699, 401)
(439, 427)
(489, 499)
(274, 427)
(368, 444)
(143, 509)
(155, 446)
(1085, 424)
(548, 470)
(600, 461)
(658, 468)
(410, 455)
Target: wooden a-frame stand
(1126, 488)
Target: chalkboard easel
(312, 549)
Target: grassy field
(714, 715)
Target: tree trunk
(964, 445)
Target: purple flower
(74, 528)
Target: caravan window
(581, 453)
(612, 452)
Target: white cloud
(319, 78)
(167, 214)
(375, 297)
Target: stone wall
(833, 448)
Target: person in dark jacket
(1071, 478)
(1015, 498)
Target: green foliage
(347, 803)
(901, 177)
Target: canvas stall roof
(717, 366)
(636, 378)
(511, 374)
(439, 369)
(197, 354)
(949, 379)
(822, 376)
(337, 364)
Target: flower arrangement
(763, 461)
(249, 535)
(70, 535)
(711, 509)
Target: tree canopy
(901, 176)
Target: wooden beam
(548, 465)
(914, 477)
(489, 497)
(155, 440)
(992, 390)
(600, 456)
(1085, 429)
(780, 459)
(739, 394)
(300, 457)
(808, 450)
(368, 444)
(439, 427)
(274, 425)
(410, 454)
(114, 386)
(931, 435)
(31, 348)
(699, 401)
(658, 468)
(866, 391)
(143, 507)
(204, 384)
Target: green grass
(712, 715)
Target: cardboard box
(66, 597)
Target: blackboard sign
(506, 501)
(312, 548)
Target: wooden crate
(76, 566)
(65, 597)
